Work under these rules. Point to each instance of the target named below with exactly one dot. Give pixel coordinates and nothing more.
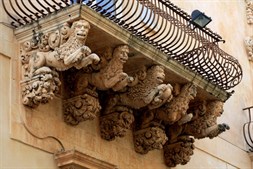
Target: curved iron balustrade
(247, 127)
(157, 22)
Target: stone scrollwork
(249, 47)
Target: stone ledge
(76, 160)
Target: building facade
(37, 135)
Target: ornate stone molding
(249, 11)
(249, 46)
(74, 159)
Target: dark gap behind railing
(248, 130)
(157, 22)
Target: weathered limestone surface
(47, 120)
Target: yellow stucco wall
(225, 152)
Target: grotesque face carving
(158, 74)
(215, 108)
(81, 29)
(121, 53)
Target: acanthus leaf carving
(149, 139)
(116, 124)
(178, 152)
(41, 88)
(81, 108)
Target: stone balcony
(94, 67)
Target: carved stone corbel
(40, 88)
(81, 108)
(148, 139)
(203, 124)
(178, 152)
(116, 123)
(45, 53)
(146, 90)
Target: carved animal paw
(223, 127)
(85, 50)
(95, 58)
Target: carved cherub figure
(73, 53)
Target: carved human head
(121, 53)
(80, 29)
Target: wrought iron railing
(247, 129)
(157, 22)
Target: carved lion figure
(110, 76)
(73, 53)
(175, 111)
(206, 124)
(203, 124)
(150, 92)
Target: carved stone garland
(164, 118)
